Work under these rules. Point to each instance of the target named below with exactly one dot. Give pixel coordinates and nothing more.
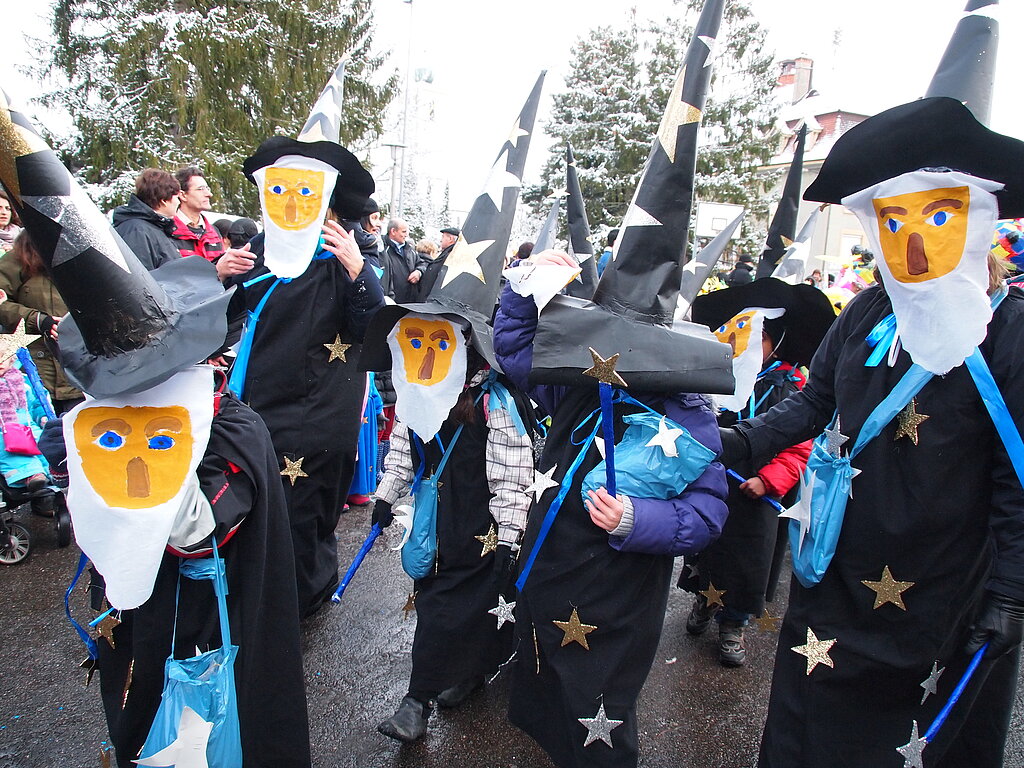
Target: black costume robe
(456, 638)
(946, 514)
(744, 563)
(262, 611)
(312, 407)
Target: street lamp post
(405, 124)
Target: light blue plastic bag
(204, 683)
(646, 472)
(420, 551)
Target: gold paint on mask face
(427, 349)
(923, 234)
(293, 196)
(135, 458)
(736, 333)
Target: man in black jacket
(403, 267)
(145, 222)
(449, 236)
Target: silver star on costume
(558, 194)
(912, 750)
(835, 439)
(801, 511)
(504, 611)
(599, 727)
(541, 482)
(188, 750)
(666, 439)
(635, 217)
(931, 685)
(515, 133)
(711, 43)
(498, 180)
(83, 226)
(854, 474)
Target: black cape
(456, 639)
(262, 610)
(312, 407)
(746, 560)
(946, 514)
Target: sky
(483, 57)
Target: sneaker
(457, 694)
(409, 722)
(730, 644)
(358, 500)
(700, 616)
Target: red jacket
(783, 472)
(208, 244)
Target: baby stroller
(15, 539)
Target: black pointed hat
(580, 247)
(794, 262)
(967, 70)
(632, 309)
(698, 269)
(319, 139)
(468, 284)
(808, 315)
(545, 238)
(783, 227)
(128, 329)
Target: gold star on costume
(464, 259)
(106, 628)
(909, 421)
(714, 596)
(786, 242)
(574, 630)
(89, 665)
(816, 651)
(17, 142)
(767, 623)
(127, 683)
(489, 541)
(677, 113)
(888, 590)
(337, 349)
(10, 343)
(604, 370)
(410, 604)
(293, 469)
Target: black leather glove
(504, 566)
(382, 514)
(1000, 623)
(735, 448)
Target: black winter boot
(409, 722)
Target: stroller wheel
(15, 544)
(62, 525)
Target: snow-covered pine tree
(172, 82)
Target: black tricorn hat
(808, 315)
(937, 132)
(353, 187)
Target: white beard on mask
(127, 544)
(423, 408)
(940, 320)
(288, 253)
(747, 364)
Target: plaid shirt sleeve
(509, 458)
(398, 471)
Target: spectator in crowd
(9, 228)
(403, 267)
(449, 236)
(742, 273)
(146, 221)
(242, 230)
(223, 227)
(193, 231)
(606, 254)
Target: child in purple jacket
(589, 616)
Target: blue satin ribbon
(880, 339)
(997, 410)
(608, 426)
(505, 401)
(90, 644)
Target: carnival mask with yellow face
(295, 193)
(933, 229)
(131, 467)
(428, 368)
(743, 332)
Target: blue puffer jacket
(685, 524)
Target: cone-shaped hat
(793, 265)
(129, 328)
(468, 286)
(546, 236)
(699, 268)
(641, 280)
(580, 247)
(783, 227)
(632, 311)
(967, 70)
(318, 140)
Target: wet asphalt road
(694, 713)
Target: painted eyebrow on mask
(893, 209)
(441, 334)
(163, 422)
(413, 332)
(120, 426)
(947, 203)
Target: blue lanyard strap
(997, 410)
(236, 381)
(90, 644)
(212, 569)
(446, 451)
